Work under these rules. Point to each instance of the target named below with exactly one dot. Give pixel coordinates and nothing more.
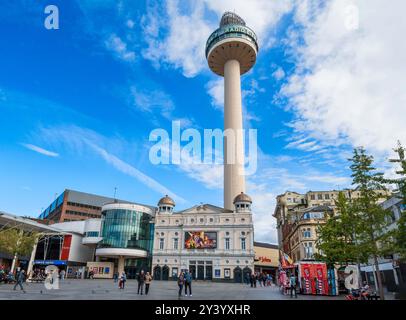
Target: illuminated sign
(200, 240)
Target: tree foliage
(14, 241)
(399, 235)
(337, 238)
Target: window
(227, 246)
(327, 196)
(312, 197)
(175, 243)
(307, 233)
(308, 246)
(243, 247)
(319, 196)
(161, 244)
(92, 234)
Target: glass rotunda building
(127, 237)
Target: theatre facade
(213, 243)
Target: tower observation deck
(231, 51)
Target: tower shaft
(234, 178)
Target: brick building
(73, 205)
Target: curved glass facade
(231, 31)
(128, 229)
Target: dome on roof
(166, 201)
(231, 18)
(242, 197)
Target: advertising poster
(200, 240)
(321, 279)
(307, 276)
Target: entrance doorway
(200, 272)
(238, 275)
(165, 273)
(192, 270)
(157, 273)
(131, 272)
(209, 272)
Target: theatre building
(212, 242)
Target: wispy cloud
(115, 44)
(351, 95)
(40, 150)
(80, 139)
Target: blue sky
(77, 104)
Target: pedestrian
(292, 283)
(181, 282)
(148, 280)
(188, 283)
(141, 280)
(115, 277)
(62, 274)
(252, 279)
(122, 281)
(20, 280)
(247, 278)
(264, 276)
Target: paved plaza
(159, 290)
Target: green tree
(337, 237)
(399, 235)
(372, 237)
(16, 242)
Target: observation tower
(231, 51)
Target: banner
(200, 240)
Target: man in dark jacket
(141, 280)
(188, 283)
(20, 280)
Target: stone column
(121, 260)
(234, 179)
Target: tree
(337, 237)
(372, 237)
(16, 242)
(399, 235)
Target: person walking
(20, 280)
(188, 283)
(141, 280)
(264, 277)
(115, 277)
(148, 280)
(292, 282)
(252, 279)
(122, 281)
(62, 274)
(181, 282)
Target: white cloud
(153, 101)
(279, 74)
(79, 140)
(115, 44)
(215, 88)
(40, 150)
(183, 45)
(348, 85)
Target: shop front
(266, 259)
